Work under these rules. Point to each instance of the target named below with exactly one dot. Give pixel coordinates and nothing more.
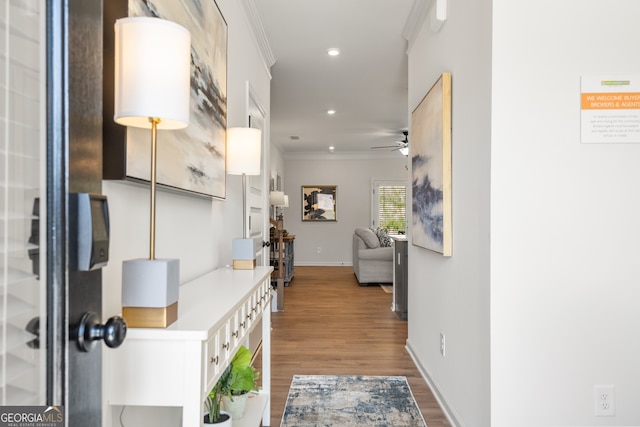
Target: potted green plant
(213, 402)
(241, 381)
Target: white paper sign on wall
(610, 109)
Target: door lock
(89, 330)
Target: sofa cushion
(383, 236)
(377, 254)
(369, 237)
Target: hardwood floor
(332, 326)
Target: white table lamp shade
(152, 73)
(243, 151)
(277, 198)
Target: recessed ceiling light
(333, 51)
(331, 112)
(331, 148)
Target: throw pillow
(369, 237)
(383, 236)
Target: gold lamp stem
(154, 150)
(245, 232)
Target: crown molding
(259, 35)
(417, 16)
(345, 155)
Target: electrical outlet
(442, 344)
(604, 400)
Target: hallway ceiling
(366, 84)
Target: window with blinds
(22, 316)
(391, 208)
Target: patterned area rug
(345, 401)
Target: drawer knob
(213, 360)
(236, 333)
(242, 324)
(225, 346)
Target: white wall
(196, 231)
(353, 178)
(277, 163)
(452, 294)
(564, 223)
(538, 301)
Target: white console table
(178, 366)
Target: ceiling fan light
(404, 151)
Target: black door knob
(266, 244)
(89, 330)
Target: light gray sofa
(371, 262)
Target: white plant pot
(226, 423)
(236, 407)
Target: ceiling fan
(403, 145)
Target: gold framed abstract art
(319, 202)
(431, 169)
(190, 160)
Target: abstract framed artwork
(319, 202)
(190, 160)
(431, 169)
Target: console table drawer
(237, 333)
(212, 360)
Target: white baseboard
(323, 264)
(448, 411)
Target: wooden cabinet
(287, 257)
(178, 366)
(400, 279)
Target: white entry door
(257, 198)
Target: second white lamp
(244, 146)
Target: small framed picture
(319, 202)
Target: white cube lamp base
(244, 254)
(150, 292)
